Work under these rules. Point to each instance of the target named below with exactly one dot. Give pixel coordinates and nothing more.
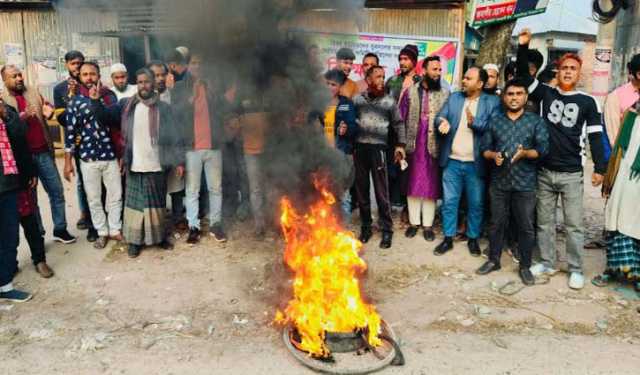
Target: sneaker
(101, 242)
(194, 236)
(218, 234)
(63, 236)
(576, 280)
(15, 295)
(411, 231)
(92, 235)
(541, 269)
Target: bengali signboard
(485, 12)
(387, 47)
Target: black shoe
(428, 234)
(92, 235)
(365, 235)
(194, 236)
(166, 245)
(485, 252)
(63, 236)
(526, 276)
(445, 245)
(487, 268)
(411, 231)
(218, 234)
(385, 243)
(134, 250)
(474, 247)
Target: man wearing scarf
(152, 147)
(622, 187)
(418, 108)
(97, 149)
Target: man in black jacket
(16, 172)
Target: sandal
(601, 280)
(101, 242)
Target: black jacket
(17, 133)
(219, 111)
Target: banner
(485, 12)
(387, 47)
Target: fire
(324, 258)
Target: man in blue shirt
(513, 142)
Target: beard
(490, 91)
(433, 84)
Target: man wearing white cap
(492, 84)
(120, 79)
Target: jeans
(458, 177)
(570, 188)
(371, 160)
(521, 206)
(9, 219)
(52, 184)
(211, 162)
(94, 174)
(256, 189)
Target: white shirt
(130, 91)
(145, 155)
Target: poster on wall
(387, 47)
(14, 54)
(601, 72)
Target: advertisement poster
(387, 47)
(485, 12)
(14, 54)
(601, 72)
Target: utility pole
(605, 43)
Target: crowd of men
(503, 155)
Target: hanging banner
(485, 12)
(387, 47)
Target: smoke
(248, 45)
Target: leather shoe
(365, 235)
(487, 268)
(444, 246)
(526, 276)
(474, 247)
(386, 240)
(44, 270)
(428, 234)
(411, 231)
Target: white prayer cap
(118, 68)
(184, 51)
(491, 67)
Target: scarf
(128, 117)
(9, 164)
(620, 149)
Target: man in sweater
(376, 113)
(34, 112)
(570, 117)
(16, 173)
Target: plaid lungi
(145, 208)
(623, 255)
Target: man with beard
(62, 94)
(513, 142)
(153, 146)
(120, 80)
(569, 116)
(97, 153)
(344, 58)
(369, 60)
(418, 108)
(178, 65)
(34, 112)
(492, 83)
(376, 113)
(461, 123)
(16, 173)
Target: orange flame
(326, 288)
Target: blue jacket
(345, 111)
(452, 111)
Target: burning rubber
(351, 353)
